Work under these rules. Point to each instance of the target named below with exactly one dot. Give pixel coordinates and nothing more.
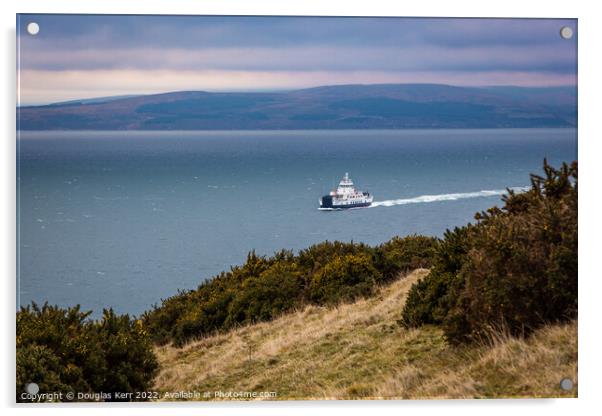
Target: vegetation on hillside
(515, 269)
(359, 351)
(266, 287)
(63, 351)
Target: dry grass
(358, 350)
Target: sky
(85, 56)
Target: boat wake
(446, 197)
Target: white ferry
(345, 196)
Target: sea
(125, 219)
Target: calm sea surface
(123, 219)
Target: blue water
(123, 219)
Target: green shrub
(39, 364)
(127, 354)
(344, 278)
(431, 298)
(62, 350)
(265, 287)
(516, 269)
(405, 254)
(260, 298)
(314, 258)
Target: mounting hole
(33, 28)
(566, 384)
(32, 388)
(566, 32)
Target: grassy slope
(359, 351)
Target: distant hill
(380, 106)
(95, 100)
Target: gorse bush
(344, 278)
(515, 269)
(430, 300)
(265, 287)
(405, 254)
(265, 296)
(62, 350)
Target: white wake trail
(446, 197)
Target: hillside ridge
(359, 350)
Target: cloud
(213, 52)
(398, 58)
(221, 31)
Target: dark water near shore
(124, 219)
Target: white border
(590, 139)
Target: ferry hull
(326, 203)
